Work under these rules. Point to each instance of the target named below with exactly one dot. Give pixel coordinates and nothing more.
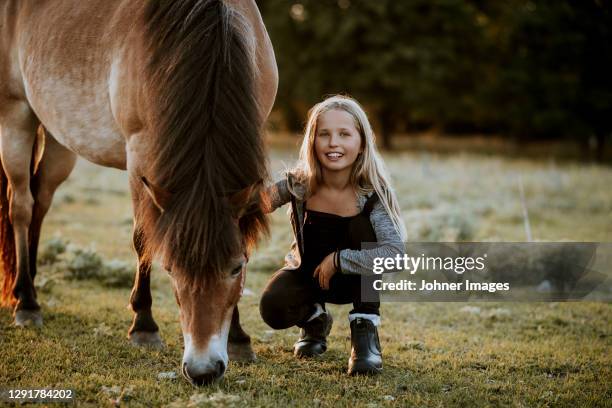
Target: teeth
(334, 155)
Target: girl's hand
(325, 271)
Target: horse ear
(160, 197)
(240, 200)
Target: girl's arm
(278, 194)
(389, 244)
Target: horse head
(206, 300)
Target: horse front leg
(53, 169)
(18, 133)
(144, 330)
(55, 166)
(239, 342)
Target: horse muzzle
(205, 378)
(202, 367)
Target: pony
(173, 92)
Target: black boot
(366, 357)
(313, 336)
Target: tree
(526, 68)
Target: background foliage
(528, 69)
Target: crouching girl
(340, 198)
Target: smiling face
(337, 141)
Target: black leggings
(290, 296)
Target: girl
(340, 197)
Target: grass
(436, 354)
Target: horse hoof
(25, 318)
(142, 338)
(241, 352)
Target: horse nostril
(207, 378)
(220, 368)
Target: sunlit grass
(436, 354)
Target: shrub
(117, 273)
(51, 251)
(84, 264)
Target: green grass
(435, 354)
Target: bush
(84, 264)
(51, 251)
(76, 263)
(441, 226)
(117, 273)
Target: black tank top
(325, 233)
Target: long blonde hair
(369, 172)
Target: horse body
(93, 74)
(64, 66)
(85, 70)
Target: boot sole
(307, 355)
(302, 354)
(299, 353)
(364, 369)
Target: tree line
(533, 69)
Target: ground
(435, 354)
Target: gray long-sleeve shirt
(360, 262)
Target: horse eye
(236, 271)
(168, 269)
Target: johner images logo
(516, 271)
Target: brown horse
(174, 92)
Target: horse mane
(207, 135)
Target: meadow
(435, 354)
